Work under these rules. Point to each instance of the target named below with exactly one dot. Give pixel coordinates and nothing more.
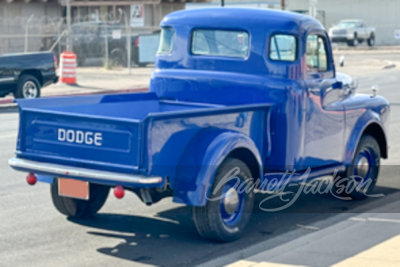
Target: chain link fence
(96, 40)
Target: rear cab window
(224, 43)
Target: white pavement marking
(309, 227)
(383, 220)
(7, 136)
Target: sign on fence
(137, 16)
(397, 34)
(116, 34)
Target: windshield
(347, 24)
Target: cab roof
(240, 18)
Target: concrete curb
(9, 102)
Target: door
(361, 30)
(323, 110)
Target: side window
(165, 46)
(283, 47)
(316, 55)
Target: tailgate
(79, 139)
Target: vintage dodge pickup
(236, 94)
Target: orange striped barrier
(68, 68)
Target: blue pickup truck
(236, 94)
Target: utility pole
(283, 4)
(69, 44)
(128, 37)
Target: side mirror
(341, 61)
(375, 90)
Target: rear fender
(202, 158)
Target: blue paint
(201, 109)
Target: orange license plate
(73, 188)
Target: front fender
(201, 160)
(359, 128)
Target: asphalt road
(127, 233)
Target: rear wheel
(359, 179)
(28, 87)
(78, 208)
(229, 206)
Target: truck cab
(236, 95)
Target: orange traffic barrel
(68, 68)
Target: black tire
(118, 57)
(371, 40)
(80, 60)
(23, 82)
(349, 184)
(209, 219)
(77, 208)
(353, 42)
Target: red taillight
(119, 192)
(137, 42)
(55, 61)
(31, 179)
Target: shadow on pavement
(170, 238)
(7, 109)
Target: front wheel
(371, 40)
(359, 179)
(77, 208)
(230, 203)
(353, 42)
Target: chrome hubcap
(362, 167)
(30, 90)
(231, 201)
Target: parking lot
(126, 232)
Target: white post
(129, 42)
(69, 44)
(313, 8)
(27, 32)
(107, 65)
(128, 37)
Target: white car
(352, 32)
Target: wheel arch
(247, 156)
(33, 72)
(376, 131)
(373, 128)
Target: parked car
(25, 74)
(236, 95)
(352, 32)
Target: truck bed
(93, 131)
(119, 133)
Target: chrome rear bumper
(75, 172)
